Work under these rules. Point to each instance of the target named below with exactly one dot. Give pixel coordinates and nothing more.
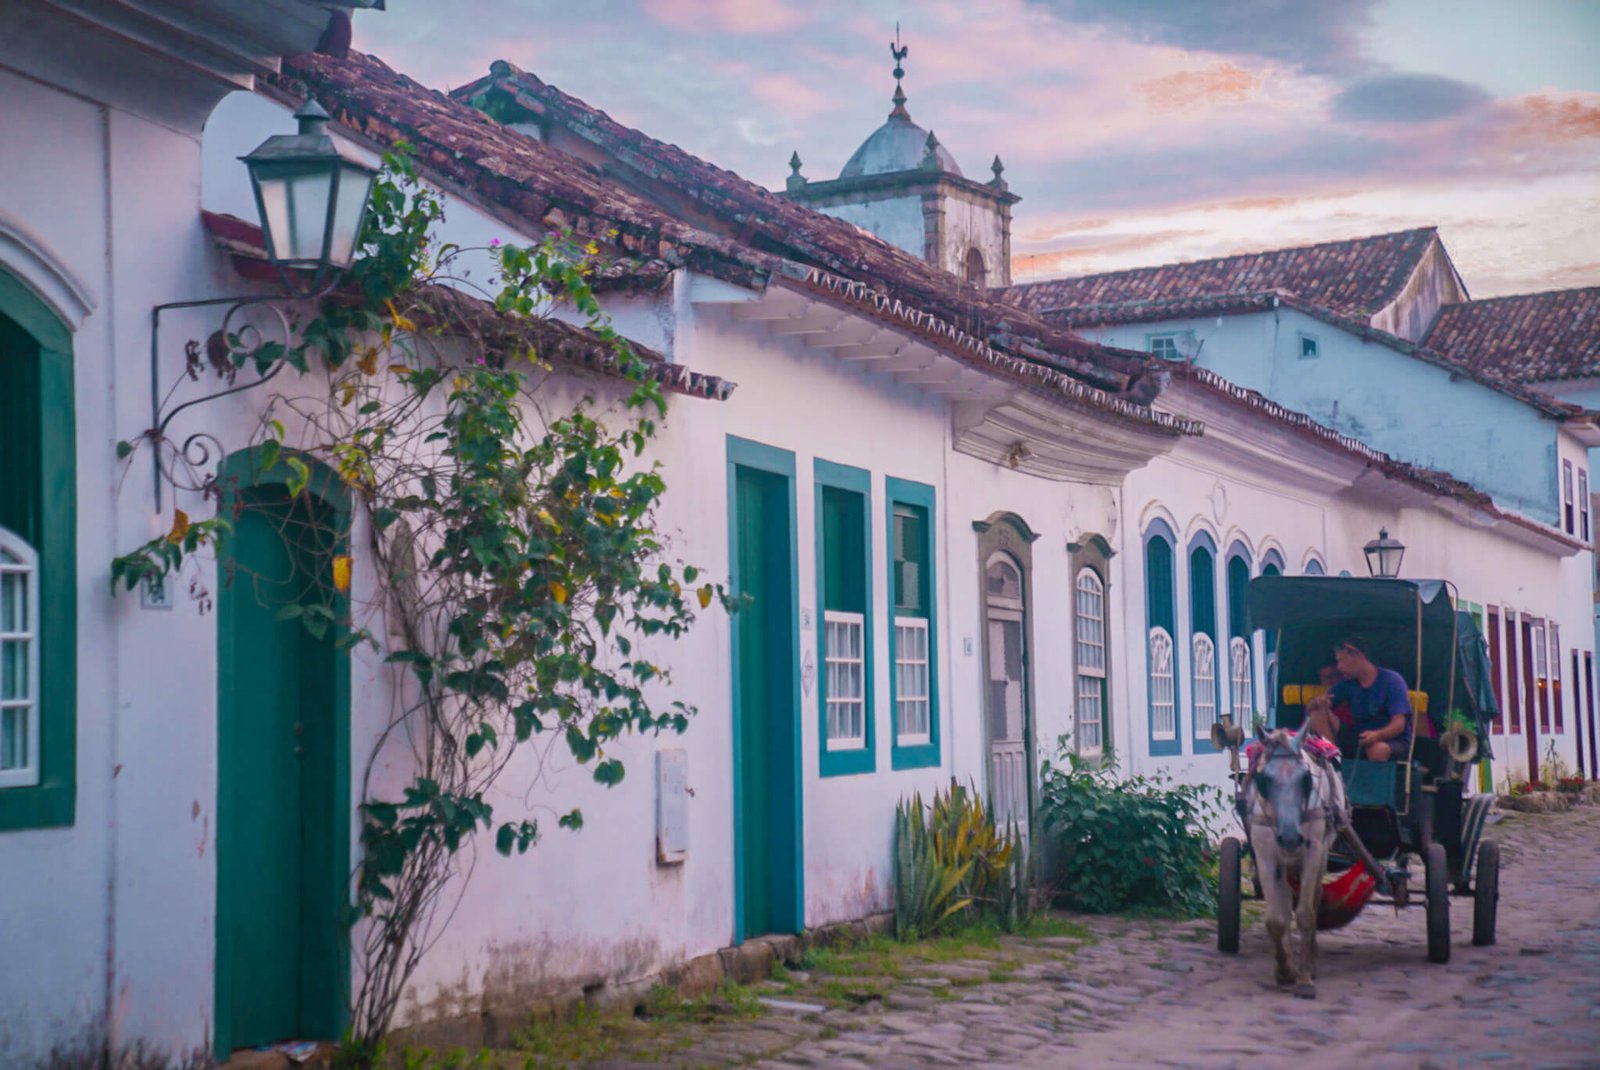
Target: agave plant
(927, 889)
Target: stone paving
(1138, 993)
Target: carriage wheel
(1437, 887)
(1486, 894)
(1228, 897)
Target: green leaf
(124, 448)
(572, 820)
(609, 772)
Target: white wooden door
(1005, 692)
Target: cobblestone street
(1156, 993)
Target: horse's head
(1284, 786)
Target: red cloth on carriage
(1343, 896)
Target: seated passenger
(1380, 706)
(1326, 719)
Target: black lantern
(312, 198)
(1384, 554)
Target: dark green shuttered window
(844, 627)
(1161, 649)
(1203, 640)
(913, 643)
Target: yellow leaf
(341, 572)
(369, 361)
(705, 596)
(347, 394)
(399, 369)
(180, 526)
(558, 591)
(399, 320)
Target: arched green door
(282, 835)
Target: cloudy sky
(1136, 131)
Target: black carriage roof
(1283, 601)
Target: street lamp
(1384, 554)
(312, 198)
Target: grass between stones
(732, 1027)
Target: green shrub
(1137, 842)
(955, 866)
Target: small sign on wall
(672, 806)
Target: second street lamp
(1384, 554)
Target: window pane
(845, 679)
(1163, 693)
(1205, 686)
(910, 559)
(912, 679)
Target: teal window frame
(858, 481)
(1161, 611)
(1202, 569)
(1237, 575)
(52, 802)
(905, 492)
(1314, 352)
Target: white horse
(1292, 824)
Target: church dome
(897, 145)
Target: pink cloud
(791, 97)
(1223, 83)
(728, 16)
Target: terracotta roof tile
(1356, 277)
(774, 223)
(544, 187)
(1525, 338)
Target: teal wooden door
(280, 854)
(766, 714)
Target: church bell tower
(905, 187)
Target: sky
(1137, 132)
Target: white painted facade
(118, 910)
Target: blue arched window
(1314, 568)
(1241, 653)
(1203, 690)
(1161, 648)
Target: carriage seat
(1300, 694)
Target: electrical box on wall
(672, 806)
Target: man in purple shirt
(1378, 702)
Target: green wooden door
(280, 849)
(767, 822)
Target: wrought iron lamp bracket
(190, 465)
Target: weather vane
(899, 52)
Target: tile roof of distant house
(1525, 338)
(1356, 277)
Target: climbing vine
(510, 572)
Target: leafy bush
(1137, 842)
(955, 865)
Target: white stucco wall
(897, 220)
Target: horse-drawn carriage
(1414, 808)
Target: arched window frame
(1204, 699)
(1165, 705)
(1241, 641)
(1091, 655)
(49, 528)
(975, 268)
(19, 662)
